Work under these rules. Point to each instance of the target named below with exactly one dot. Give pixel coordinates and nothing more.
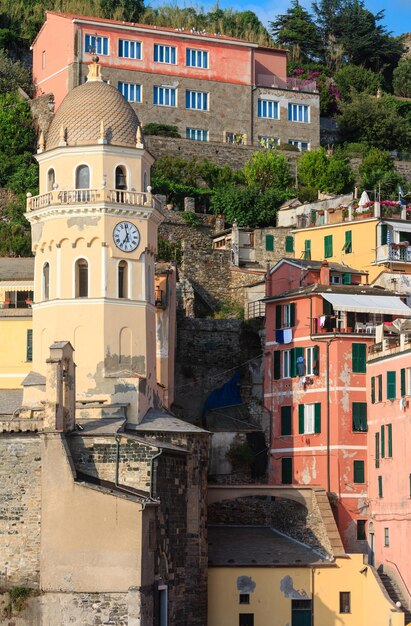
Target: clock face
(126, 236)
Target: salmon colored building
(212, 87)
(389, 463)
(320, 321)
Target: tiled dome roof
(90, 111)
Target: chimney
(325, 273)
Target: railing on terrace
(394, 254)
(296, 84)
(88, 196)
(255, 309)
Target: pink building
(212, 87)
(320, 321)
(389, 461)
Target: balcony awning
(17, 285)
(385, 305)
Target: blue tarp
(226, 395)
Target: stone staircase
(395, 592)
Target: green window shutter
(379, 387)
(289, 243)
(287, 471)
(359, 417)
(380, 494)
(292, 314)
(384, 234)
(382, 442)
(316, 359)
(301, 419)
(317, 417)
(328, 246)
(348, 241)
(377, 450)
(389, 440)
(307, 249)
(278, 316)
(391, 385)
(277, 364)
(29, 345)
(346, 279)
(359, 353)
(372, 389)
(269, 243)
(359, 472)
(295, 353)
(285, 420)
(403, 390)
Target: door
(301, 612)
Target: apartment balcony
(92, 196)
(394, 253)
(292, 83)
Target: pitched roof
(316, 265)
(16, 268)
(361, 290)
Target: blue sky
(397, 12)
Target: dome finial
(41, 144)
(62, 136)
(94, 70)
(102, 136)
(139, 138)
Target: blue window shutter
(188, 57)
(173, 98)
(259, 108)
(105, 45)
(173, 55)
(155, 95)
(205, 107)
(155, 52)
(120, 47)
(290, 113)
(187, 99)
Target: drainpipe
(153, 458)
(327, 342)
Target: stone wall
(20, 498)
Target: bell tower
(94, 236)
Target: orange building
(212, 87)
(320, 320)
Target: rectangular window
(380, 493)
(348, 242)
(311, 361)
(277, 365)
(244, 598)
(286, 421)
(328, 246)
(359, 363)
(286, 363)
(379, 381)
(359, 472)
(289, 243)
(164, 54)
(359, 417)
(96, 45)
(389, 441)
(386, 537)
(197, 134)
(303, 146)
(29, 345)
(131, 91)
(268, 142)
(286, 470)
(307, 249)
(289, 315)
(164, 96)
(246, 619)
(345, 602)
(268, 109)
(335, 279)
(309, 418)
(197, 100)
(391, 385)
(298, 113)
(128, 49)
(197, 58)
(377, 450)
(269, 243)
(383, 442)
(361, 530)
(372, 389)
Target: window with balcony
(197, 100)
(298, 113)
(129, 49)
(83, 177)
(51, 179)
(268, 109)
(164, 96)
(96, 45)
(164, 54)
(196, 58)
(197, 134)
(131, 91)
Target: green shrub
(190, 218)
(164, 130)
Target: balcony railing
(294, 83)
(388, 253)
(92, 196)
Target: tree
(296, 29)
(377, 171)
(319, 172)
(375, 121)
(248, 205)
(402, 78)
(356, 78)
(13, 75)
(267, 169)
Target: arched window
(121, 178)
(51, 179)
(83, 177)
(145, 181)
(81, 278)
(123, 279)
(46, 281)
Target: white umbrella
(364, 199)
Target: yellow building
(257, 577)
(376, 242)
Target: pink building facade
(389, 461)
(212, 87)
(320, 321)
